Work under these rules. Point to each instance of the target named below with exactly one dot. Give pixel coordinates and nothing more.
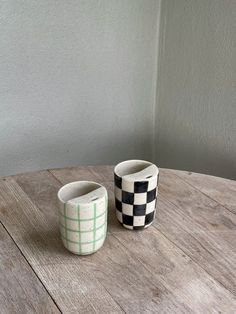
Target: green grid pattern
(82, 231)
(76, 219)
(87, 242)
(94, 207)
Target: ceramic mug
(136, 187)
(83, 216)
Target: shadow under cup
(83, 216)
(136, 188)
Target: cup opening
(131, 166)
(76, 189)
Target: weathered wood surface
(20, 289)
(221, 190)
(184, 263)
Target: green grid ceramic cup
(83, 216)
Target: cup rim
(132, 161)
(74, 183)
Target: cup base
(135, 228)
(82, 254)
(85, 252)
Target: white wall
(196, 90)
(77, 82)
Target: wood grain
(184, 263)
(178, 273)
(99, 174)
(200, 226)
(73, 288)
(61, 271)
(20, 289)
(221, 190)
(63, 176)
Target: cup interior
(76, 189)
(131, 166)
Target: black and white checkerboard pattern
(136, 202)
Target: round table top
(184, 263)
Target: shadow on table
(45, 245)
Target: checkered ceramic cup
(136, 187)
(83, 216)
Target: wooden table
(184, 263)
